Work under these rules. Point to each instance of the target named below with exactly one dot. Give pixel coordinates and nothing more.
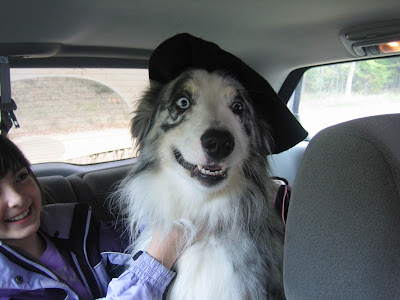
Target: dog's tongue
(212, 168)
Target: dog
(202, 165)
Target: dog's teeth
(203, 170)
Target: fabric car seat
(343, 229)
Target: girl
(60, 252)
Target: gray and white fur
(202, 165)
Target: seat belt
(7, 105)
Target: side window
(79, 116)
(332, 94)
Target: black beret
(184, 51)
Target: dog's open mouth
(209, 175)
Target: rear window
(332, 94)
(79, 116)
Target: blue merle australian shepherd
(203, 165)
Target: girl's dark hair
(11, 158)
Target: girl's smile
(20, 218)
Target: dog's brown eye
(237, 108)
(183, 103)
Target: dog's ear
(264, 137)
(262, 131)
(145, 114)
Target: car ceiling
(274, 37)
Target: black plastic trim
(290, 83)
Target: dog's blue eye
(237, 108)
(183, 103)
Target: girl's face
(20, 203)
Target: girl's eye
(23, 174)
(183, 103)
(237, 108)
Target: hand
(166, 248)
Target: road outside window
(79, 116)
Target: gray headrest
(343, 229)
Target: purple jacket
(95, 252)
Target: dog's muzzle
(217, 146)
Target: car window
(79, 116)
(332, 94)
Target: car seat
(343, 229)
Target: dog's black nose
(217, 144)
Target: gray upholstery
(58, 189)
(93, 188)
(343, 228)
(286, 164)
(97, 186)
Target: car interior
(342, 233)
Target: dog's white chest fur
(206, 272)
